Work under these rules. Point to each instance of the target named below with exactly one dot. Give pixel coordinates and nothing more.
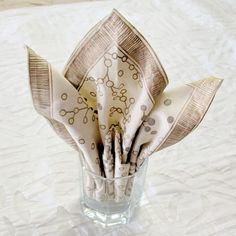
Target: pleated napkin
(109, 102)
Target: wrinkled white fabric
(190, 188)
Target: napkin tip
(219, 81)
(26, 46)
(28, 49)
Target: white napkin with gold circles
(110, 103)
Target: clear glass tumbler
(110, 201)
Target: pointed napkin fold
(109, 102)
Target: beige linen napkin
(109, 102)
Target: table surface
(8, 4)
(190, 188)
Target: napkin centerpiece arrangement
(110, 103)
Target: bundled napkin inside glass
(109, 104)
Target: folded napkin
(109, 102)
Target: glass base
(107, 218)
(110, 201)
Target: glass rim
(114, 178)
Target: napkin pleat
(40, 77)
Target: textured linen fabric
(190, 187)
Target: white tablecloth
(190, 188)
